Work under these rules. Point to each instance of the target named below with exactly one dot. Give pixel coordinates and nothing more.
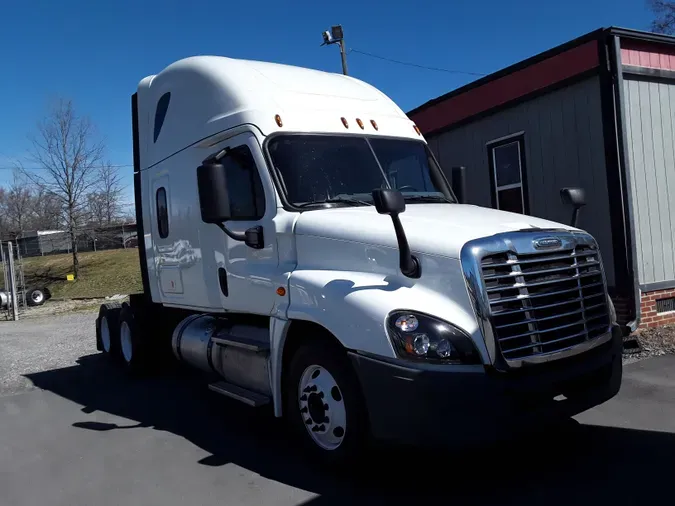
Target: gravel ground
(654, 342)
(56, 334)
(40, 344)
(56, 306)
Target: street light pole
(343, 55)
(336, 36)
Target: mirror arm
(575, 217)
(409, 265)
(236, 236)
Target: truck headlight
(420, 337)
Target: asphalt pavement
(86, 434)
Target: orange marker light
(344, 122)
(372, 122)
(277, 118)
(417, 129)
(359, 122)
(281, 291)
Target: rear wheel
(108, 327)
(132, 348)
(324, 404)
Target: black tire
(36, 297)
(334, 360)
(134, 351)
(111, 312)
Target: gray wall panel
(564, 146)
(650, 111)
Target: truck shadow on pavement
(576, 464)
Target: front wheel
(324, 404)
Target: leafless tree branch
(66, 150)
(664, 11)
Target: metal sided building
(599, 113)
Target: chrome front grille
(539, 295)
(544, 302)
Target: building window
(160, 112)
(247, 198)
(162, 213)
(507, 174)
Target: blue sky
(96, 52)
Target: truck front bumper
(412, 405)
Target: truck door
(248, 277)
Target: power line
(438, 69)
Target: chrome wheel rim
(125, 342)
(105, 335)
(37, 297)
(322, 407)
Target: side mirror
(388, 201)
(214, 203)
(575, 197)
(214, 200)
(391, 202)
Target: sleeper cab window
(160, 113)
(507, 175)
(247, 198)
(162, 213)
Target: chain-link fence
(42, 243)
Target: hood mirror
(575, 197)
(391, 202)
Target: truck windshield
(341, 170)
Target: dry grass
(102, 273)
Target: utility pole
(336, 36)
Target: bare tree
(664, 10)
(105, 202)
(47, 211)
(18, 206)
(4, 225)
(96, 209)
(66, 150)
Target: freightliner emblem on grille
(547, 243)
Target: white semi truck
(300, 244)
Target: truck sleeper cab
(300, 243)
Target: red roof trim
(639, 53)
(536, 77)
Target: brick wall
(623, 308)
(650, 318)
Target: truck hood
(435, 229)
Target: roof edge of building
(549, 53)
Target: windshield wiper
(336, 200)
(427, 198)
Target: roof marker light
(372, 122)
(417, 129)
(277, 118)
(344, 122)
(359, 122)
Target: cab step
(248, 397)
